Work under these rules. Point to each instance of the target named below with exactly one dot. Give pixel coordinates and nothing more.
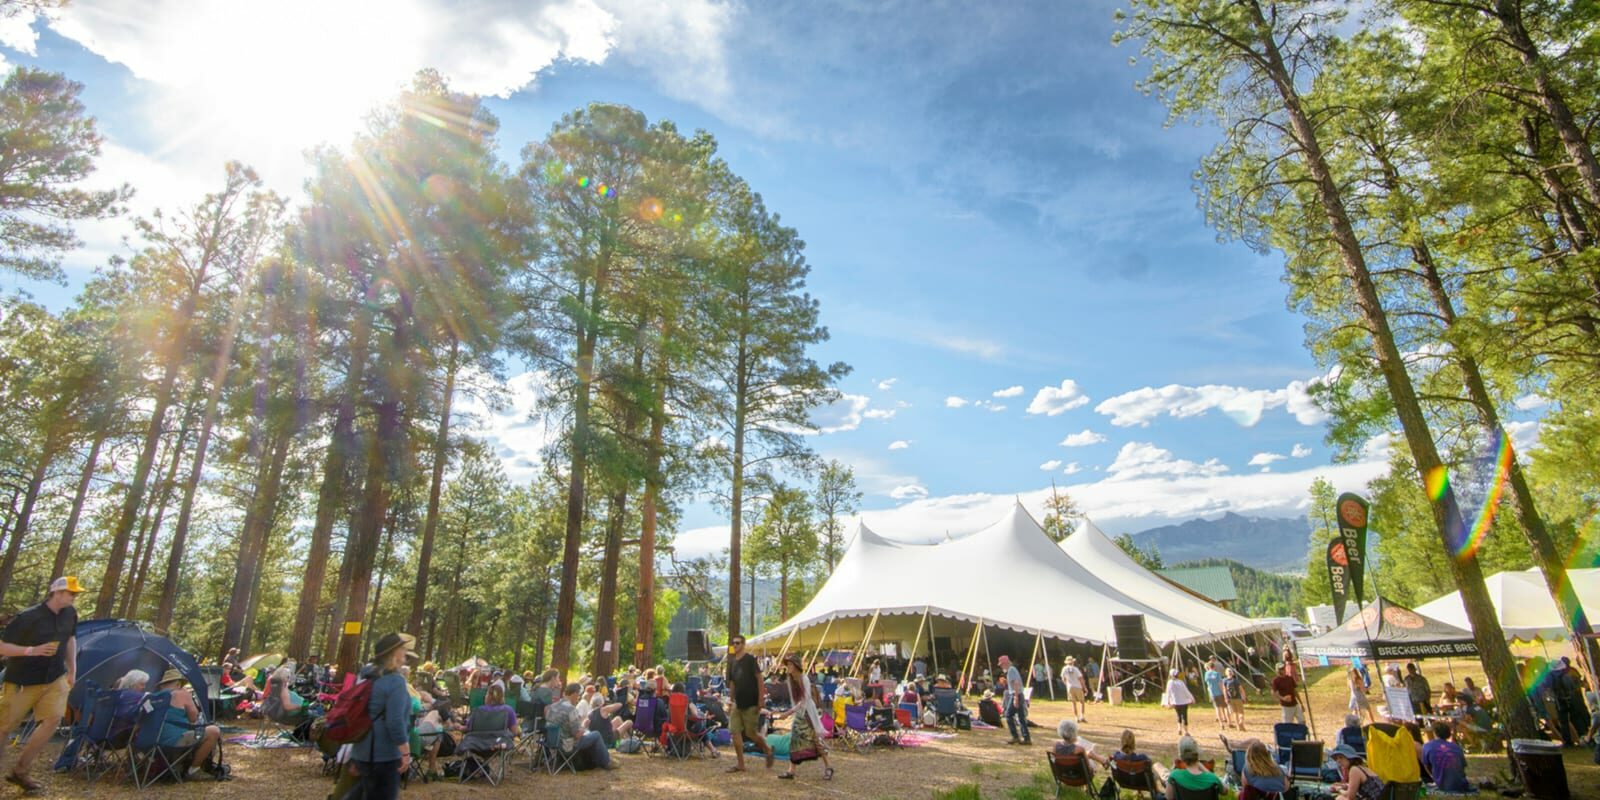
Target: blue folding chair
(1285, 734)
(555, 759)
(147, 759)
(691, 685)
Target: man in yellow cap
(43, 664)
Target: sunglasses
(738, 642)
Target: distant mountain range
(1272, 544)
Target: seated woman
(278, 703)
(1449, 698)
(1351, 734)
(1128, 750)
(1360, 782)
(179, 728)
(1262, 776)
(494, 701)
(1190, 773)
(130, 692)
(431, 731)
(1070, 746)
(606, 717)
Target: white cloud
(899, 444)
(887, 384)
(1010, 391)
(1051, 465)
(1054, 400)
(1072, 469)
(843, 414)
(700, 542)
(992, 406)
(1082, 438)
(955, 402)
(17, 33)
(515, 433)
(1531, 402)
(879, 413)
(1263, 459)
(1143, 459)
(1299, 451)
(1524, 435)
(1243, 406)
(910, 491)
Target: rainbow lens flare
(583, 183)
(1491, 483)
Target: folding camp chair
(147, 759)
(906, 714)
(946, 703)
(1286, 733)
(885, 723)
(1213, 793)
(486, 746)
(1068, 772)
(555, 759)
(1305, 760)
(647, 720)
(855, 728)
(691, 685)
(1135, 775)
(89, 752)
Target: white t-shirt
(1072, 677)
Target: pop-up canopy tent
(1384, 630)
(109, 648)
(1523, 603)
(1009, 575)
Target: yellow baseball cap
(67, 584)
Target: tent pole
(972, 653)
(1105, 666)
(812, 662)
(1450, 669)
(1033, 655)
(790, 638)
(1049, 676)
(910, 662)
(933, 645)
(872, 626)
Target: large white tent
(1094, 550)
(1523, 603)
(1009, 575)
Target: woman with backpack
(383, 756)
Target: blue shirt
(1214, 682)
(390, 709)
(1013, 684)
(1447, 763)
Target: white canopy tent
(1092, 548)
(1009, 575)
(1523, 603)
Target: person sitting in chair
(179, 728)
(1190, 773)
(1128, 750)
(1070, 746)
(1351, 734)
(1262, 777)
(589, 746)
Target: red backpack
(348, 721)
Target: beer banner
(1353, 531)
(1338, 578)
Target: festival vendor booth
(1009, 581)
(1386, 631)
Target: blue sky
(1002, 230)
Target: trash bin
(1114, 695)
(1544, 774)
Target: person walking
(1214, 689)
(749, 697)
(1358, 696)
(385, 757)
(1016, 704)
(805, 733)
(1288, 693)
(1077, 688)
(42, 664)
(1178, 698)
(1233, 688)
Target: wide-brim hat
(390, 641)
(1344, 750)
(171, 676)
(1071, 660)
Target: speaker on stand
(699, 645)
(1132, 639)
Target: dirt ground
(979, 758)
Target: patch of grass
(1027, 793)
(966, 791)
(976, 768)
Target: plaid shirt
(565, 715)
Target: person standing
(1016, 703)
(1287, 691)
(1178, 698)
(1077, 687)
(1041, 678)
(1419, 690)
(1358, 695)
(1091, 679)
(383, 759)
(1233, 688)
(749, 697)
(42, 664)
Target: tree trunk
(453, 610)
(441, 456)
(645, 626)
(736, 499)
(1551, 100)
(141, 564)
(383, 569)
(604, 660)
(341, 591)
(783, 590)
(381, 452)
(64, 549)
(566, 603)
(19, 528)
(1468, 575)
(253, 538)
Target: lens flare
(1437, 482)
(1491, 483)
(583, 183)
(651, 209)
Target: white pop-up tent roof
(1092, 548)
(1523, 603)
(1009, 575)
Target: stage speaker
(699, 645)
(1132, 640)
